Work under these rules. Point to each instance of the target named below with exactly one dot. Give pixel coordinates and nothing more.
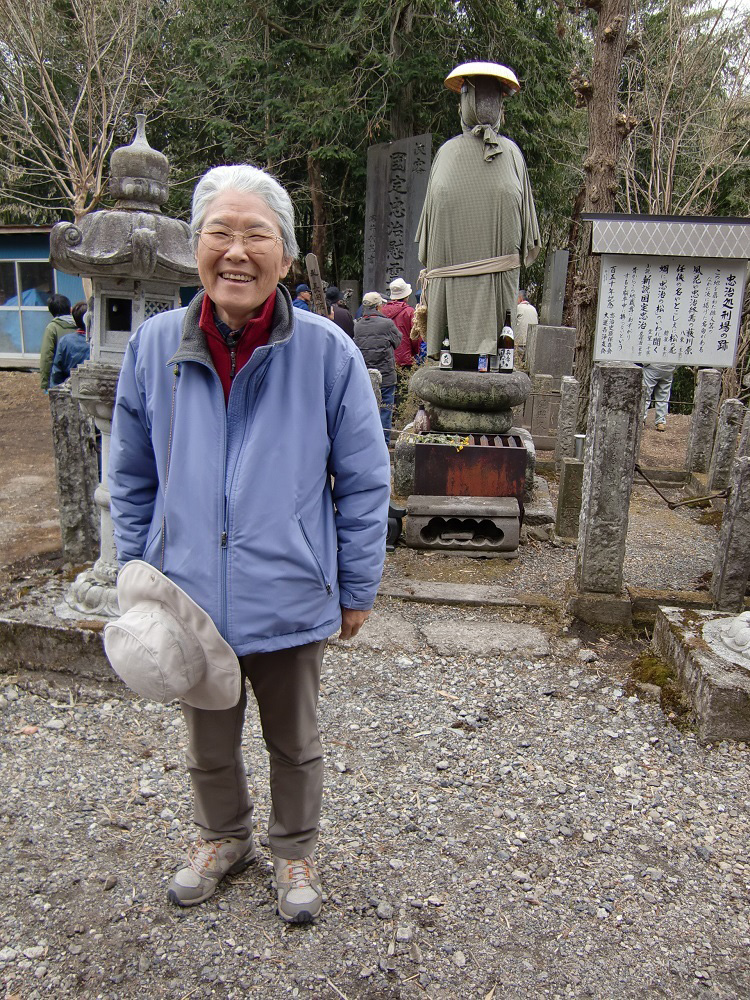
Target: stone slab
(539, 510)
(718, 689)
(385, 630)
(465, 506)
(601, 609)
(452, 635)
(553, 290)
(646, 602)
(469, 594)
(31, 644)
(549, 351)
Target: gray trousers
(285, 684)
(657, 381)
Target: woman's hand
(351, 622)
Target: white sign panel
(673, 310)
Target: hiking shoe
(208, 862)
(661, 427)
(298, 887)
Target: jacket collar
(193, 345)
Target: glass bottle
(506, 345)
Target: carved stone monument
(397, 175)
(137, 260)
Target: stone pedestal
(703, 422)
(77, 471)
(465, 402)
(470, 525)
(94, 591)
(612, 435)
(716, 680)
(732, 565)
(731, 415)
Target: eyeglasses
(254, 240)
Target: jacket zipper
(227, 494)
(329, 590)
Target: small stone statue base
(715, 677)
(94, 591)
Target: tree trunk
(606, 132)
(402, 112)
(317, 200)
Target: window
(24, 287)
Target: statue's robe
(475, 209)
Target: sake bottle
(506, 345)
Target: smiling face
(238, 281)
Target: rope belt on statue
(490, 265)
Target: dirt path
(29, 519)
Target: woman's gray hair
(244, 177)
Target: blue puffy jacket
(256, 532)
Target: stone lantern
(136, 260)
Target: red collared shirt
(230, 355)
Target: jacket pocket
(316, 560)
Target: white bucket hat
(399, 289)
(165, 646)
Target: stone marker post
(567, 419)
(743, 445)
(725, 445)
(615, 413)
(77, 468)
(732, 564)
(703, 423)
(569, 498)
(553, 290)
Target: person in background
(377, 337)
(303, 297)
(526, 316)
(657, 382)
(402, 314)
(279, 554)
(407, 351)
(341, 315)
(72, 348)
(62, 323)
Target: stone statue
(735, 635)
(478, 223)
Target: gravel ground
(501, 819)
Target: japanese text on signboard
(669, 309)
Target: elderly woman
(248, 463)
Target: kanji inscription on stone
(397, 174)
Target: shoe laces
(299, 873)
(205, 855)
